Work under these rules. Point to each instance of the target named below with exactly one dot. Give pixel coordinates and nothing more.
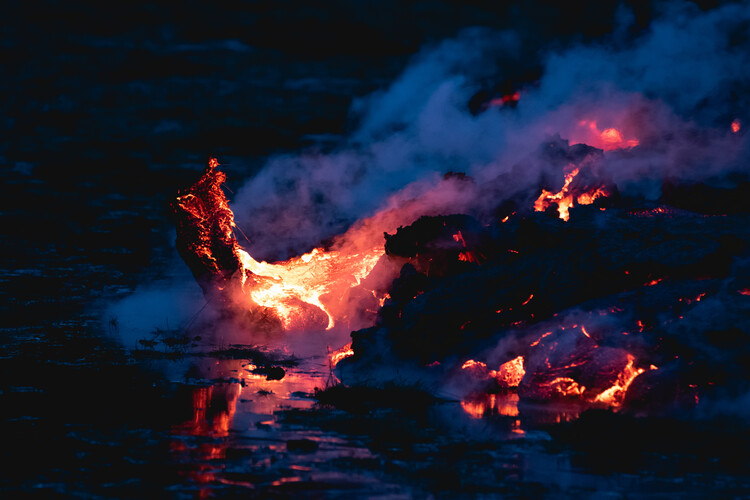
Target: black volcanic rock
(547, 266)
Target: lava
(508, 375)
(308, 278)
(566, 197)
(340, 354)
(302, 292)
(608, 139)
(614, 395)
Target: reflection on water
(233, 401)
(234, 432)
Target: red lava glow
(736, 125)
(744, 291)
(608, 139)
(565, 386)
(504, 100)
(536, 342)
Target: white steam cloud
(675, 87)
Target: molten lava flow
(608, 139)
(470, 364)
(307, 278)
(340, 354)
(563, 199)
(566, 198)
(736, 125)
(615, 394)
(306, 291)
(565, 386)
(510, 373)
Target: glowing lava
(309, 291)
(608, 139)
(340, 354)
(736, 125)
(307, 278)
(508, 375)
(615, 394)
(566, 198)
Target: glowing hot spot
(566, 197)
(342, 353)
(608, 139)
(614, 395)
(306, 278)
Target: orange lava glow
(473, 364)
(565, 198)
(615, 394)
(536, 342)
(307, 278)
(565, 386)
(293, 291)
(736, 125)
(744, 291)
(608, 139)
(342, 353)
(313, 291)
(510, 373)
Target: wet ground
(105, 114)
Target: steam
(676, 87)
